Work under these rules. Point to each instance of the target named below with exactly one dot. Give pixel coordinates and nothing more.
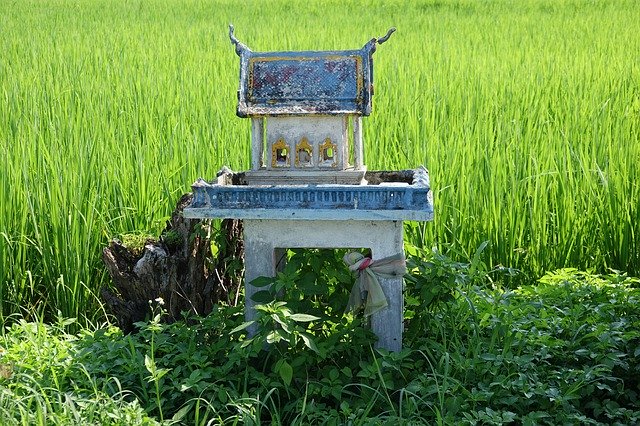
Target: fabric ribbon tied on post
(367, 294)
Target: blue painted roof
(306, 82)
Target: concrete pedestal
(263, 239)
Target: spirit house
(308, 185)
(306, 110)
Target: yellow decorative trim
(280, 154)
(328, 154)
(359, 82)
(303, 147)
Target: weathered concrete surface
(263, 237)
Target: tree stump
(179, 268)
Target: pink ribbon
(367, 294)
(365, 264)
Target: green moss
(135, 242)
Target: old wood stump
(179, 268)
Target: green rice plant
(525, 112)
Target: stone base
(263, 239)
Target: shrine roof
(306, 82)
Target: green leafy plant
(562, 350)
(153, 328)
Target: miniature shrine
(308, 186)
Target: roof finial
(240, 47)
(387, 35)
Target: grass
(525, 112)
(561, 351)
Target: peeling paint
(307, 82)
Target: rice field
(526, 113)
